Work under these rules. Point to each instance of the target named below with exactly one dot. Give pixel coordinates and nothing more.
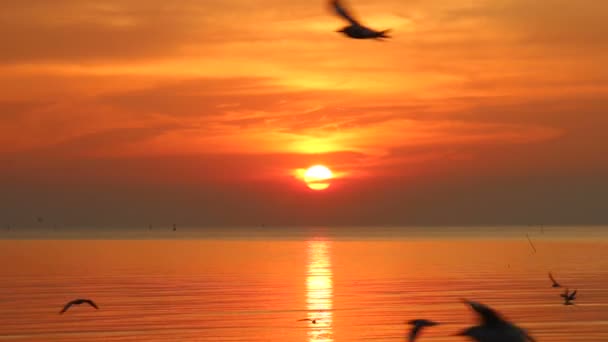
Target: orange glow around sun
(317, 177)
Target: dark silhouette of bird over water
(568, 297)
(313, 321)
(531, 244)
(356, 30)
(417, 326)
(78, 302)
(492, 327)
(555, 283)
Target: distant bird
(531, 244)
(568, 297)
(555, 283)
(417, 326)
(174, 227)
(356, 30)
(78, 302)
(313, 321)
(492, 327)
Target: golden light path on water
(319, 291)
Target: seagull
(555, 283)
(531, 244)
(356, 30)
(78, 302)
(313, 321)
(418, 325)
(492, 327)
(568, 297)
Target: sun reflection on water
(319, 291)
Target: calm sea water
(255, 284)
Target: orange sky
(120, 112)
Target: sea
(269, 283)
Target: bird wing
(339, 8)
(66, 307)
(487, 315)
(572, 296)
(304, 319)
(528, 337)
(415, 329)
(552, 279)
(90, 302)
(531, 244)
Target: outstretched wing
(487, 315)
(414, 332)
(572, 296)
(341, 10)
(553, 279)
(66, 307)
(304, 319)
(528, 337)
(91, 303)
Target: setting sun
(317, 177)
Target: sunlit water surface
(257, 284)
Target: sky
(194, 112)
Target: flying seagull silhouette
(313, 321)
(555, 283)
(78, 302)
(417, 326)
(531, 244)
(492, 327)
(356, 30)
(568, 297)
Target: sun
(317, 177)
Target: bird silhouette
(78, 302)
(313, 321)
(555, 283)
(492, 327)
(417, 326)
(356, 30)
(568, 297)
(531, 244)
(174, 227)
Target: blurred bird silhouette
(492, 327)
(417, 326)
(78, 302)
(568, 297)
(555, 283)
(313, 321)
(356, 30)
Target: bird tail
(384, 34)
